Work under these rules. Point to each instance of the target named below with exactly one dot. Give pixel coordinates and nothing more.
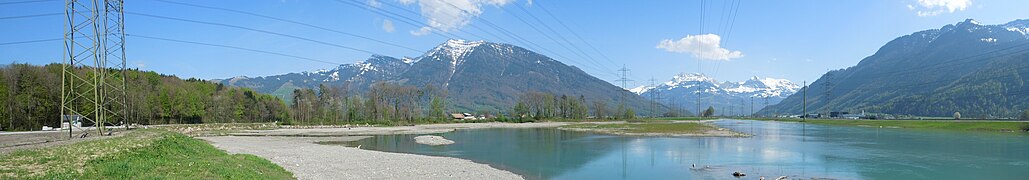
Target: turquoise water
(778, 149)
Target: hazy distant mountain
(726, 97)
(376, 68)
(978, 70)
(478, 75)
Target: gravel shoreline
(297, 151)
(308, 160)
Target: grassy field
(664, 128)
(141, 154)
(967, 125)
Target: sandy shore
(308, 160)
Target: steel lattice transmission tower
(93, 79)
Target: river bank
(956, 125)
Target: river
(795, 150)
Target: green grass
(970, 125)
(215, 129)
(664, 128)
(687, 118)
(142, 154)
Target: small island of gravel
(657, 128)
(432, 140)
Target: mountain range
(977, 70)
(727, 98)
(477, 75)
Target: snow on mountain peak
(754, 86)
(457, 48)
(408, 60)
(682, 78)
(641, 89)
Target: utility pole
(828, 92)
(804, 116)
(698, 104)
(624, 80)
(752, 106)
(766, 103)
(93, 73)
(653, 100)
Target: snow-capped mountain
(375, 68)
(684, 89)
(477, 75)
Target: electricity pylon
(93, 77)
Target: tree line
(32, 99)
(391, 103)
(539, 105)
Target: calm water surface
(777, 149)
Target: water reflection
(778, 149)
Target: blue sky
(796, 40)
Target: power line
(354, 3)
(30, 41)
(517, 37)
(587, 56)
(30, 16)
(574, 33)
(23, 2)
(252, 29)
(289, 21)
(405, 19)
(232, 47)
(452, 16)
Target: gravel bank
(432, 140)
(308, 160)
(369, 131)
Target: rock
(432, 140)
(738, 174)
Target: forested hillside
(32, 99)
(977, 70)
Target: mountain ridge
(478, 75)
(965, 67)
(682, 91)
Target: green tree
(521, 110)
(709, 112)
(437, 108)
(629, 114)
(1025, 115)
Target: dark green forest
(32, 99)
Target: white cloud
(374, 3)
(447, 15)
(704, 46)
(387, 26)
(936, 7)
